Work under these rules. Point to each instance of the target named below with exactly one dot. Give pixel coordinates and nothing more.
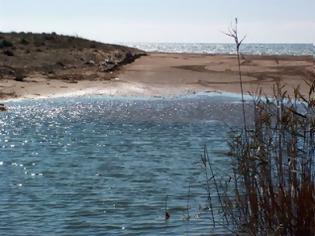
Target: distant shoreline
(170, 74)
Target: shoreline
(174, 74)
(194, 95)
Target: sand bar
(163, 74)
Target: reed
(273, 179)
(274, 171)
(233, 33)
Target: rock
(117, 60)
(90, 63)
(108, 65)
(2, 107)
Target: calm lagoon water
(104, 166)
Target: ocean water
(219, 48)
(104, 166)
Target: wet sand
(162, 74)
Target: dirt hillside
(61, 57)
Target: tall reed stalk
(233, 33)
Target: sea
(103, 165)
(227, 48)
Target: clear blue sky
(282, 21)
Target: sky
(191, 21)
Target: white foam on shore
(115, 95)
(113, 90)
(133, 91)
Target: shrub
(93, 45)
(19, 76)
(48, 37)
(24, 41)
(39, 43)
(5, 43)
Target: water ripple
(97, 166)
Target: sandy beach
(163, 74)
(186, 73)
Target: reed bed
(271, 190)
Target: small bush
(24, 41)
(39, 43)
(8, 53)
(92, 45)
(49, 37)
(5, 43)
(60, 64)
(19, 77)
